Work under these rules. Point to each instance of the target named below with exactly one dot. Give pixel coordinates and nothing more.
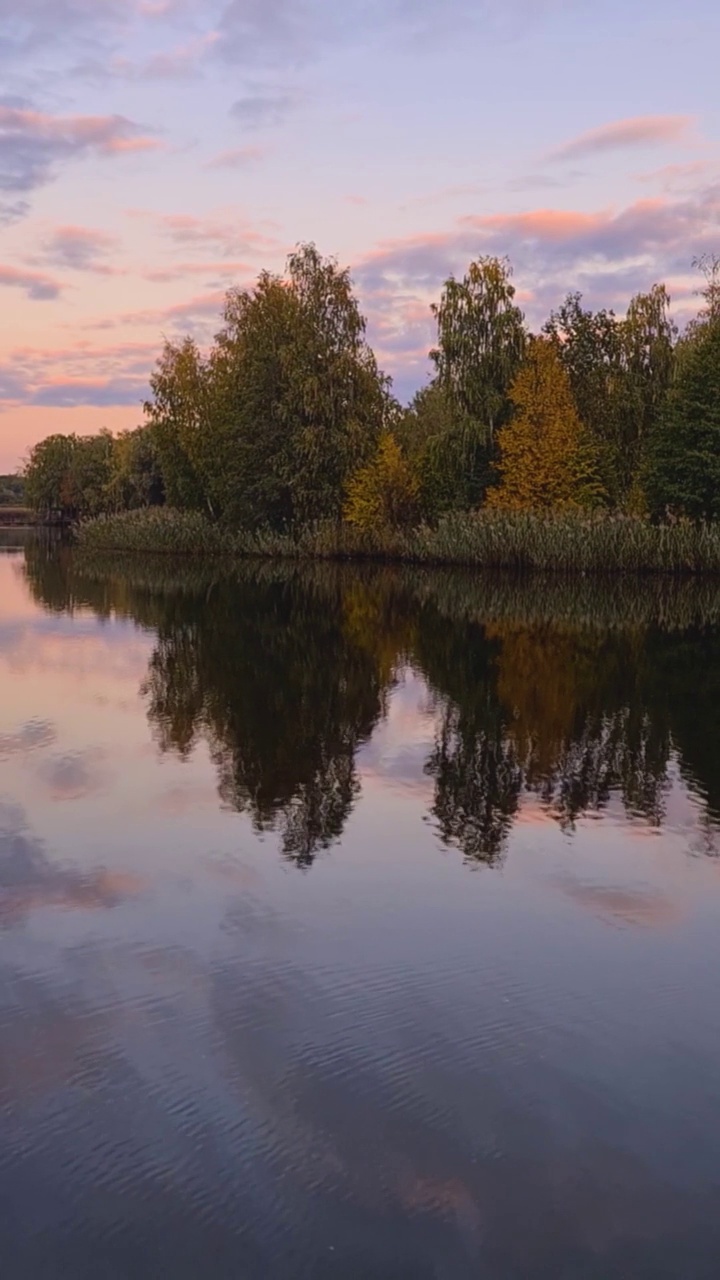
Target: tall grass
(596, 543)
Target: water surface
(356, 923)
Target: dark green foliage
(180, 419)
(683, 463)
(481, 342)
(78, 477)
(137, 477)
(452, 456)
(647, 346)
(50, 487)
(480, 345)
(289, 402)
(12, 491)
(620, 372)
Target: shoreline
(557, 544)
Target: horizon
(155, 152)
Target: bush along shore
(601, 542)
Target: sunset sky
(153, 152)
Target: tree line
(12, 491)
(287, 420)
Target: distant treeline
(12, 491)
(287, 421)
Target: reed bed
(562, 542)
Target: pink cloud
(37, 286)
(637, 131)
(540, 224)
(607, 254)
(81, 249)
(223, 270)
(123, 146)
(236, 158)
(200, 310)
(682, 178)
(33, 143)
(103, 133)
(229, 237)
(180, 61)
(541, 241)
(81, 373)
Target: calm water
(356, 924)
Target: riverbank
(597, 543)
(26, 518)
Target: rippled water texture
(356, 923)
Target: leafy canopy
(267, 429)
(620, 371)
(682, 474)
(481, 340)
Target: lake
(357, 923)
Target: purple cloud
(38, 287)
(33, 143)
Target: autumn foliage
(384, 493)
(546, 456)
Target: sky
(155, 152)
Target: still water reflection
(356, 923)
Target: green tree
(180, 413)
(589, 346)
(49, 485)
(91, 473)
(12, 491)
(452, 459)
(682, 473)
(648, 338)
(303, 399)
(480, 343)
(252, 432)
(546, 455)
(136, 476)
(71, 477)
(268, 427)
(620, 372)
(481, 340)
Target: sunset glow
(152, 154)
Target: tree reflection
(539, 689)
(266, 673)
(477, 787)
(577, 712)
(475, 767)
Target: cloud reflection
(31, 736)
(29, 880)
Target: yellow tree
(546, 456)
(384, 493)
